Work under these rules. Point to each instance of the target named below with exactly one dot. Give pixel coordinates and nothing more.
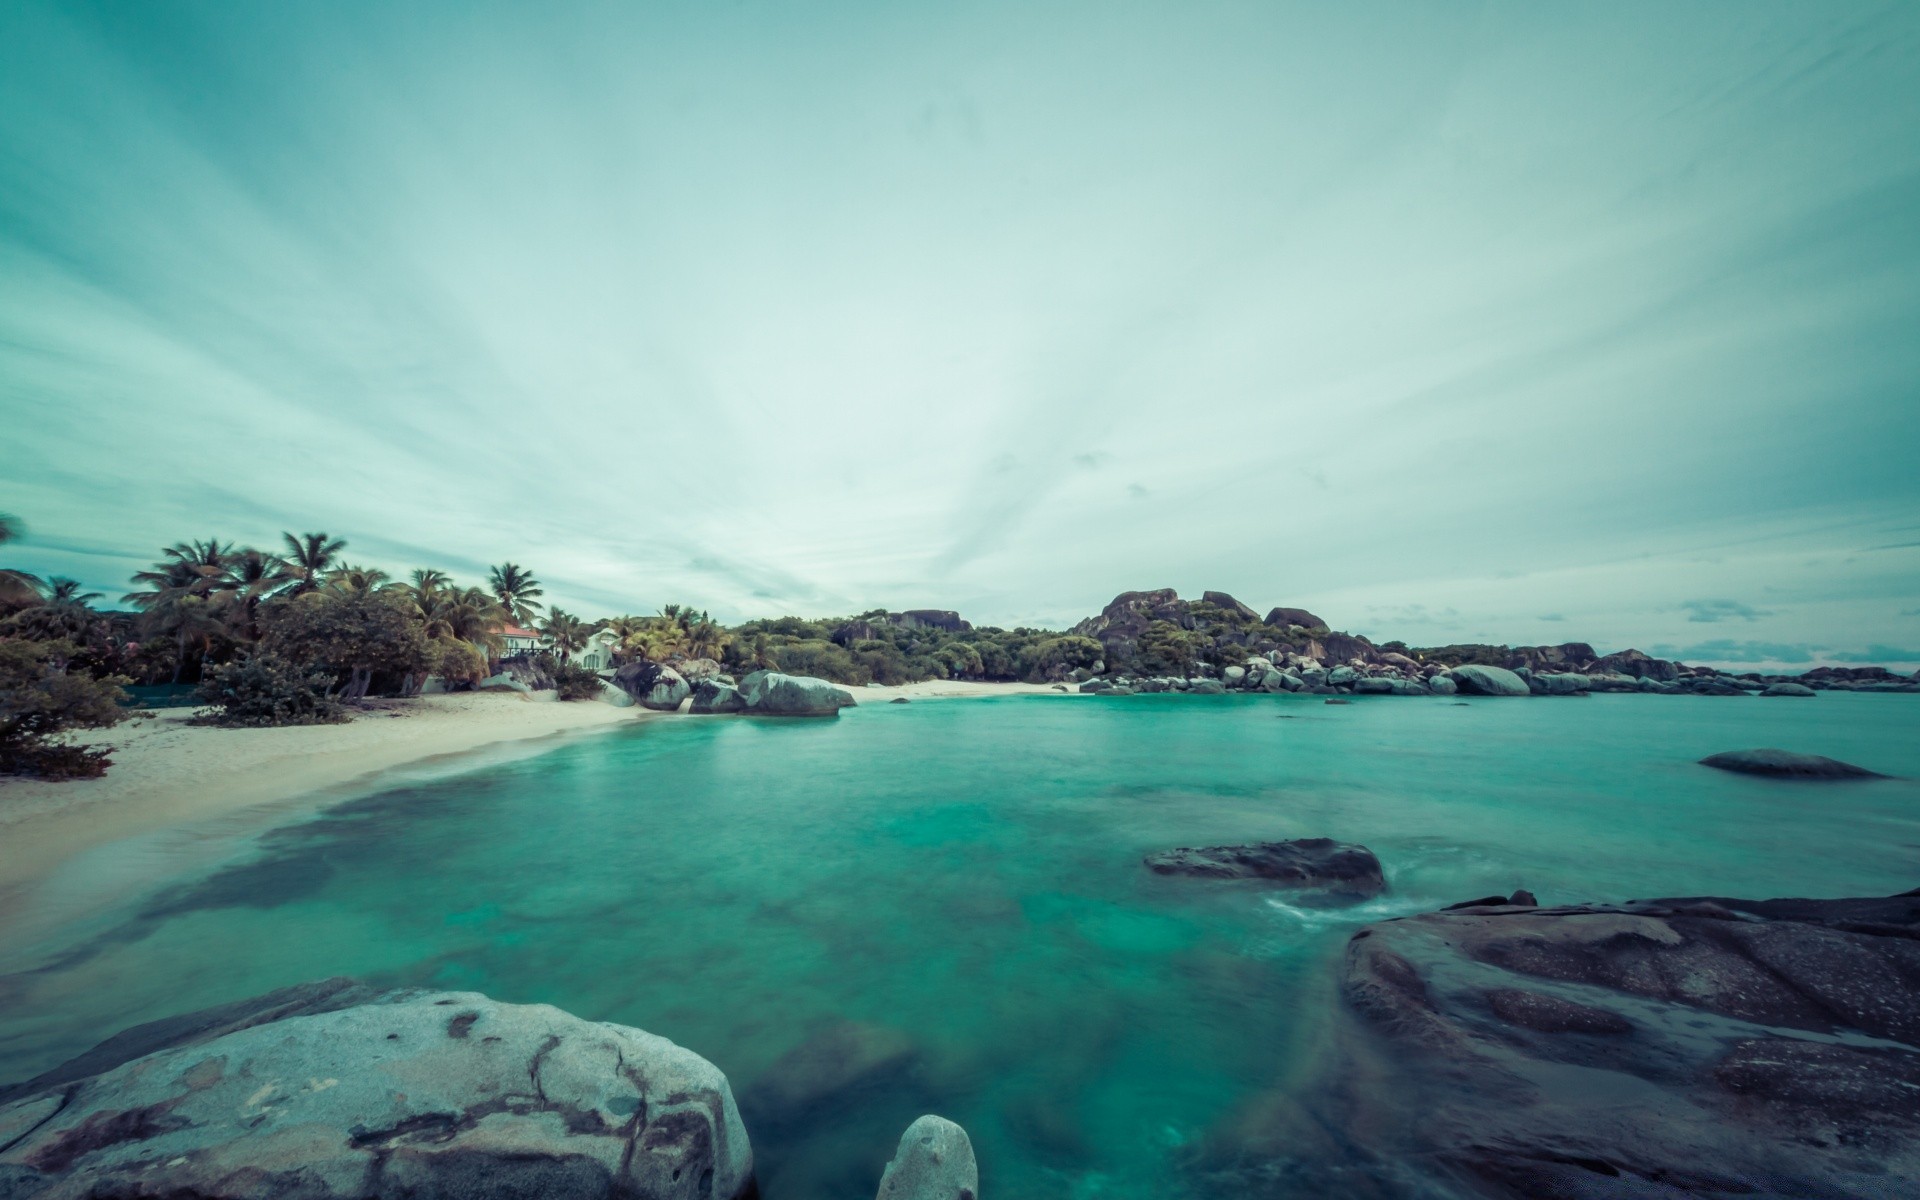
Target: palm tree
(61, 590)
(250, 576)
(309, 557)
(194, 568)
(350, 580)
(470, 615)
(516, 589)
(566, 633)
(192, 621)
(705, 639)
(17, 588)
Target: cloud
(1552, 617)
(1877, 653)
(1713, 611)
(1729, 650)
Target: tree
(247, 578)
(565, 633)
(355, 580)
(61, 590)
(469, 615)
(191, 621)
(266, 689)
(309, 557)
(516, 589)
(350, 634)
(40, 700)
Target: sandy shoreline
(168, 775)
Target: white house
(596, 655)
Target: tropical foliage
(267, 689)
(41, 699)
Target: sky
(1450, 322)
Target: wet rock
(1478, 680)
(1441, 685)
(934, 1162)
(712, 696)
(904, 700)
(1206, 687)
(1662, 1048)
(1336, 701)
(1785, 764)
(1234, 676)
(1788, 689)
(1562, 683)
(1340, 868)
(769, 693)
(330, 1091)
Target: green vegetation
(42, 698)
(267, 689)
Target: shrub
(40, 700)
(350, 636)
(267, 689)
(575, 682)
(456, 662)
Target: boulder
(693, 670)
(1477, 680)
(1118, 690)
(1567, 656)
(1442, 685)
(1559, 683)
(1636, 664)
(1788, 689)
(614, 696)
(1338, 868)
(1207, 687)
(712, 696)
(1341, 648)
(654, 685)
(503, 682)
(1234, 676)
(527, 670)
(934, 1162)
(1342, 676)
(904, 700)
(1223, 601)
(333, 1091)
(1281, 618)
(1785, 764)
(769, 693)
(930, 618)
(1665, 1048)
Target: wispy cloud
(1709, 612)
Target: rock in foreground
(1663, 1048)
(1477, 680)
(330, 1091)
(1785, 764)
(771, 694)
(1340, 868)
(934, 1162)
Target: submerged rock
(934, 1162)
(1337, 867)
(1478, 680)
(1662, 1048)
(899, 700)
(769, 693)
(837, 1061)
(1785, 764)
(331, 1091)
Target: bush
(349, 636)
(575, 682)
(267, 689)
(40, 700)
(456, 662)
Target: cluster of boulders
(333, 1091)
(710, 690)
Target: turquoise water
(963, 877)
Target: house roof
(516, 631)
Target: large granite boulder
(1477, 680)
(1281, 618)
(712, 696)
(1567, 656)
(1206, 687)
(1341, 648)
(771, 694)
(332, 1091)
(527, 670)
(655, 686)
(1442, 685)
(1558, 683)
(1788, 689)
(1119, 625)
(1223, 601)
(1785, 764)
(934, 1162)
(1638, 665)
(693, 670)
(1664, 1048)
(1338, 868)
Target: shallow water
(967, 874)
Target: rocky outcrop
(1558, 683)
(934, 1162)
(930, 618)
(1229, 605)
(653, 685)
(1638, 665)
(1323, 864)
(1477, 680)
(1667, 1048)
(712, 696)
(694, 670)
(1281, 618)
(1121, 622)
(1785, 764)
(1567, 656)
(771, 694)
(1789, 689)
(525, 669)
(330, 1091)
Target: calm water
(964, 878)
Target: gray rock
(1095, 686)
(1280, 618)
(1477, 680)
(769, 693)
(1224, 601)
(1207, 687)
(1442, 685)
(934, 1162)
(1339, 868)
(1785, 764)
(693, 670)
(1562, 683)
(904, 700)
(655, 686)
(712, 696)
(1234, 676)
(614, 696)
(1665, 1048)
(329, 1092)
(1789, 689)
(503, 682)
(1118, 690)
(1342, 676)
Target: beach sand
(174, 786)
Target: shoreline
(177, 790)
